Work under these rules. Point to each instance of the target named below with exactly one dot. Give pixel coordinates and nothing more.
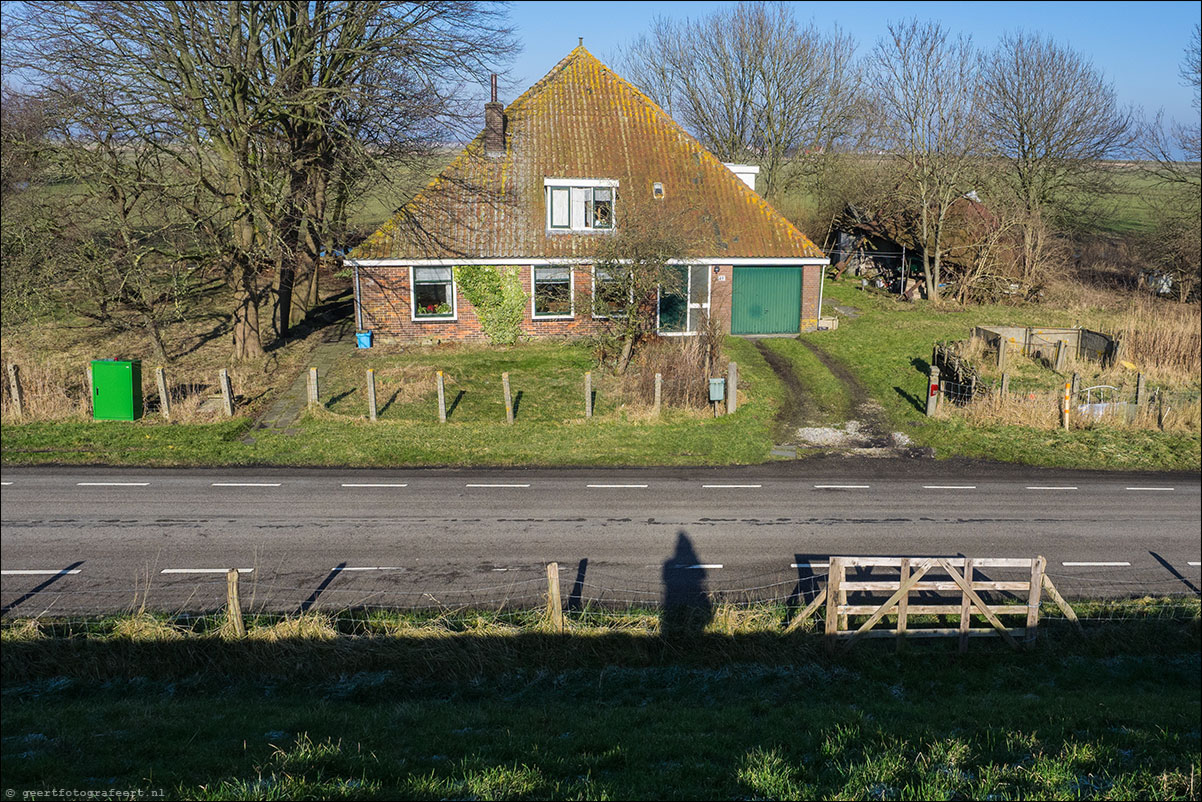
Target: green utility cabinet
(116, 389)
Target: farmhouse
(578, 156)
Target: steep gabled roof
(581, 120)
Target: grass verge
(888, 348)
(475, 433)
(468, 707)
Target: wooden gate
(935, 578)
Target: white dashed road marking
(730, 487)
(1041, 487)
(369, 568)
(1195, 563)
(203, 570)
(1079, 564)
(6, 484)
(949, 487)
(372, 484)
(841, 487)
(615, 486)
(700, 565)
(245, 484)
(809, 565)
(497, 484)
(112, 484)
(1151, 488)
(39, 572)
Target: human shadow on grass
(517, 403)
(687, 607)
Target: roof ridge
(669, 122)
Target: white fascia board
(580, 182)
(518, 261)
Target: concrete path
(289, 405)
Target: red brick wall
(721, 283)
(811, 289)
(385, 301)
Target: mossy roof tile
(581, 120)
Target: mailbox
(717, 389)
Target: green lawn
(889, 348)
(550, 428)
(459, 710)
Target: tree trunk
(247, 341)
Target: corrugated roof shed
(581, 120)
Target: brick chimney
(494, 125)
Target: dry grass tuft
(144, 627)
(26, 630)
(306, 626)
(685, 363)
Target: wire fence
(589, 598)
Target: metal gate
(766, 300)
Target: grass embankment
(550, 427)
(888, 348)
(461, 707)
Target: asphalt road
(79, 540)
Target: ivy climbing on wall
(498, 297)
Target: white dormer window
(580, 204)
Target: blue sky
(1139, 45)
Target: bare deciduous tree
(924, 85)
(272, 112)
(752, 83)
(1051, 118)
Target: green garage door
(767, 300)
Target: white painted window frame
(593, 298)
(413, 316)
(550, 184)
(689, 306)
(571, 290)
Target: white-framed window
(433, 293)
(551, 298)
(683, 301)
(613, 292)
(581, 204)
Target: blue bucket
(363, 338)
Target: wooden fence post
(227, 392)
(233, 604)
(1076, 385)
(732, 388)
(659, 392)
(160, 376)
(554, 605)
(588, 394)
(442, 398)
(933, 391)
(1001, 353)
(14, 385)
(1005, 383)
(966, 607)
(1038, 565)
(1064, 407)
(1061, 355)
(833, 581)
(371, 394)
(1139, 389)
(903, 605)
(508, 399)
(314, 390)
